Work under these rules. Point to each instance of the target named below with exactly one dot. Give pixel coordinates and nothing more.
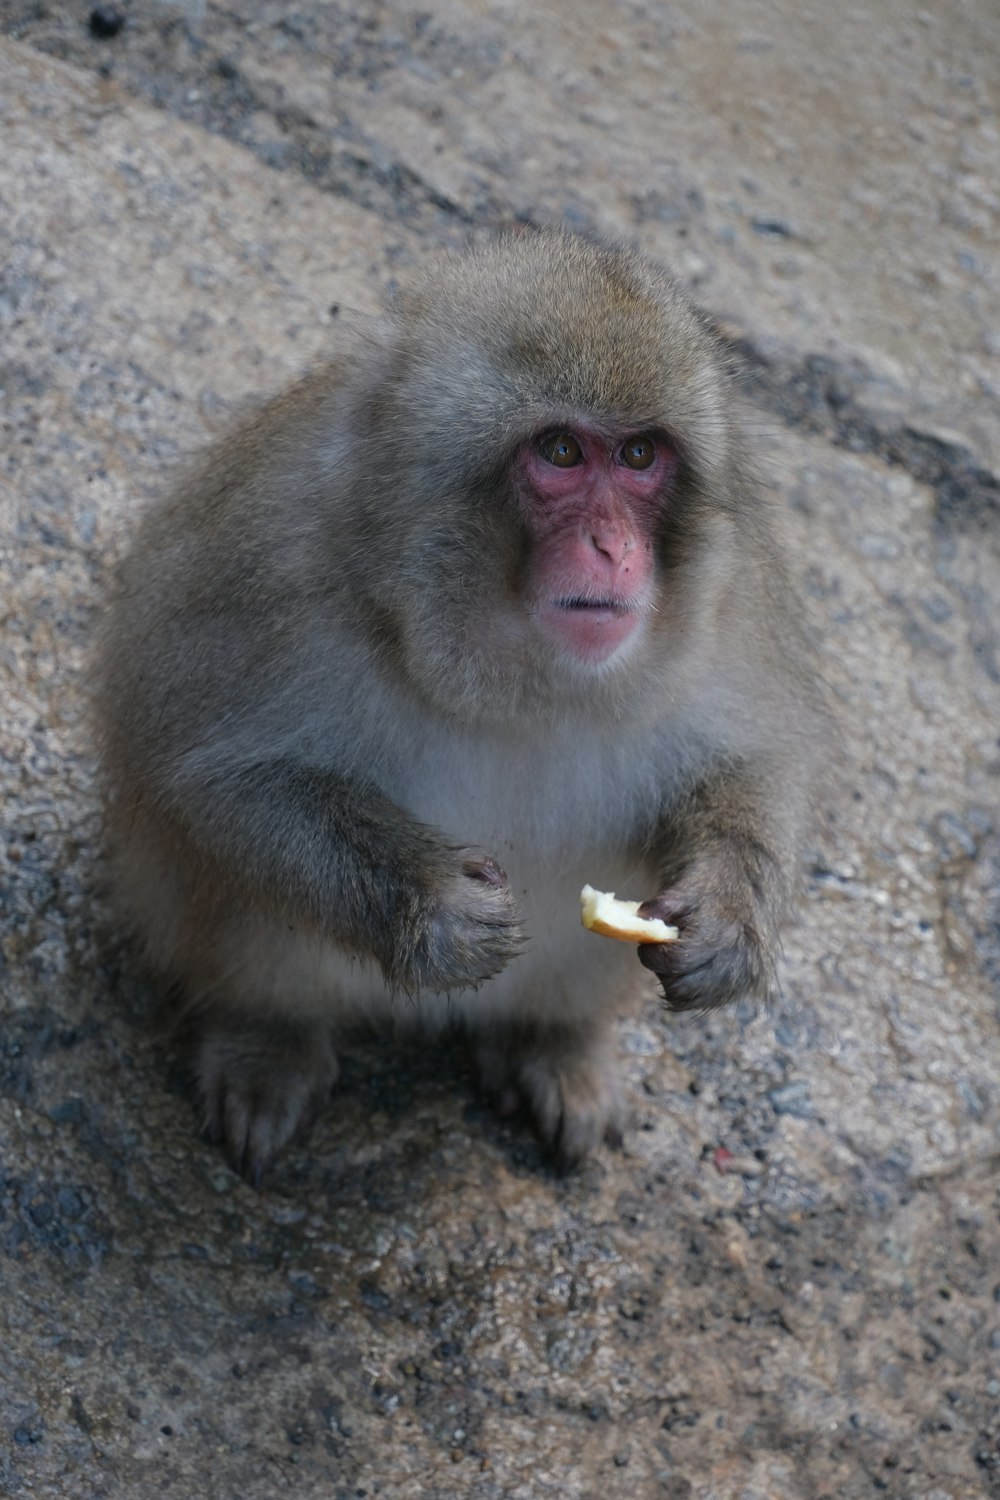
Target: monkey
(489, 605)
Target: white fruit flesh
(602, 912)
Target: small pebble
(880, 546)
(106, 21)
(791, 1099)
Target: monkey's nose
(613, 542)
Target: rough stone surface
(787, 1285)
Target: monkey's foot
(567, 1083)
(260, 1083)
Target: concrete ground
(414, 1307)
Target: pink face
(593, 504)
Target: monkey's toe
(260, 1087)
(568, 1087)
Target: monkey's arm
(727, 857)
(334, 854)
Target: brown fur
(320, 709)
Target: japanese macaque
(486, 609)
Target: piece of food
(603, 913)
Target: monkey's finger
(671, 906)
(487, 869)
(662, 958)
(700, 976)
(679, 910)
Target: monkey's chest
(548, 811)
(555, 816)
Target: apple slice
(603, 913)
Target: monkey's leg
(255, 886)
(261, 1081)
(564, 1076)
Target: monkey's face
(592, 503)
(565, 422)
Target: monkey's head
(561, 431)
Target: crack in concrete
(817, 394)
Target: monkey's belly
(564, 973)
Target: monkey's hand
(727, 943)
(464, 932)
(309, 846)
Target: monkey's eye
(561, 449)
(638, 453)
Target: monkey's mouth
(591, 629)
(615, 606)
